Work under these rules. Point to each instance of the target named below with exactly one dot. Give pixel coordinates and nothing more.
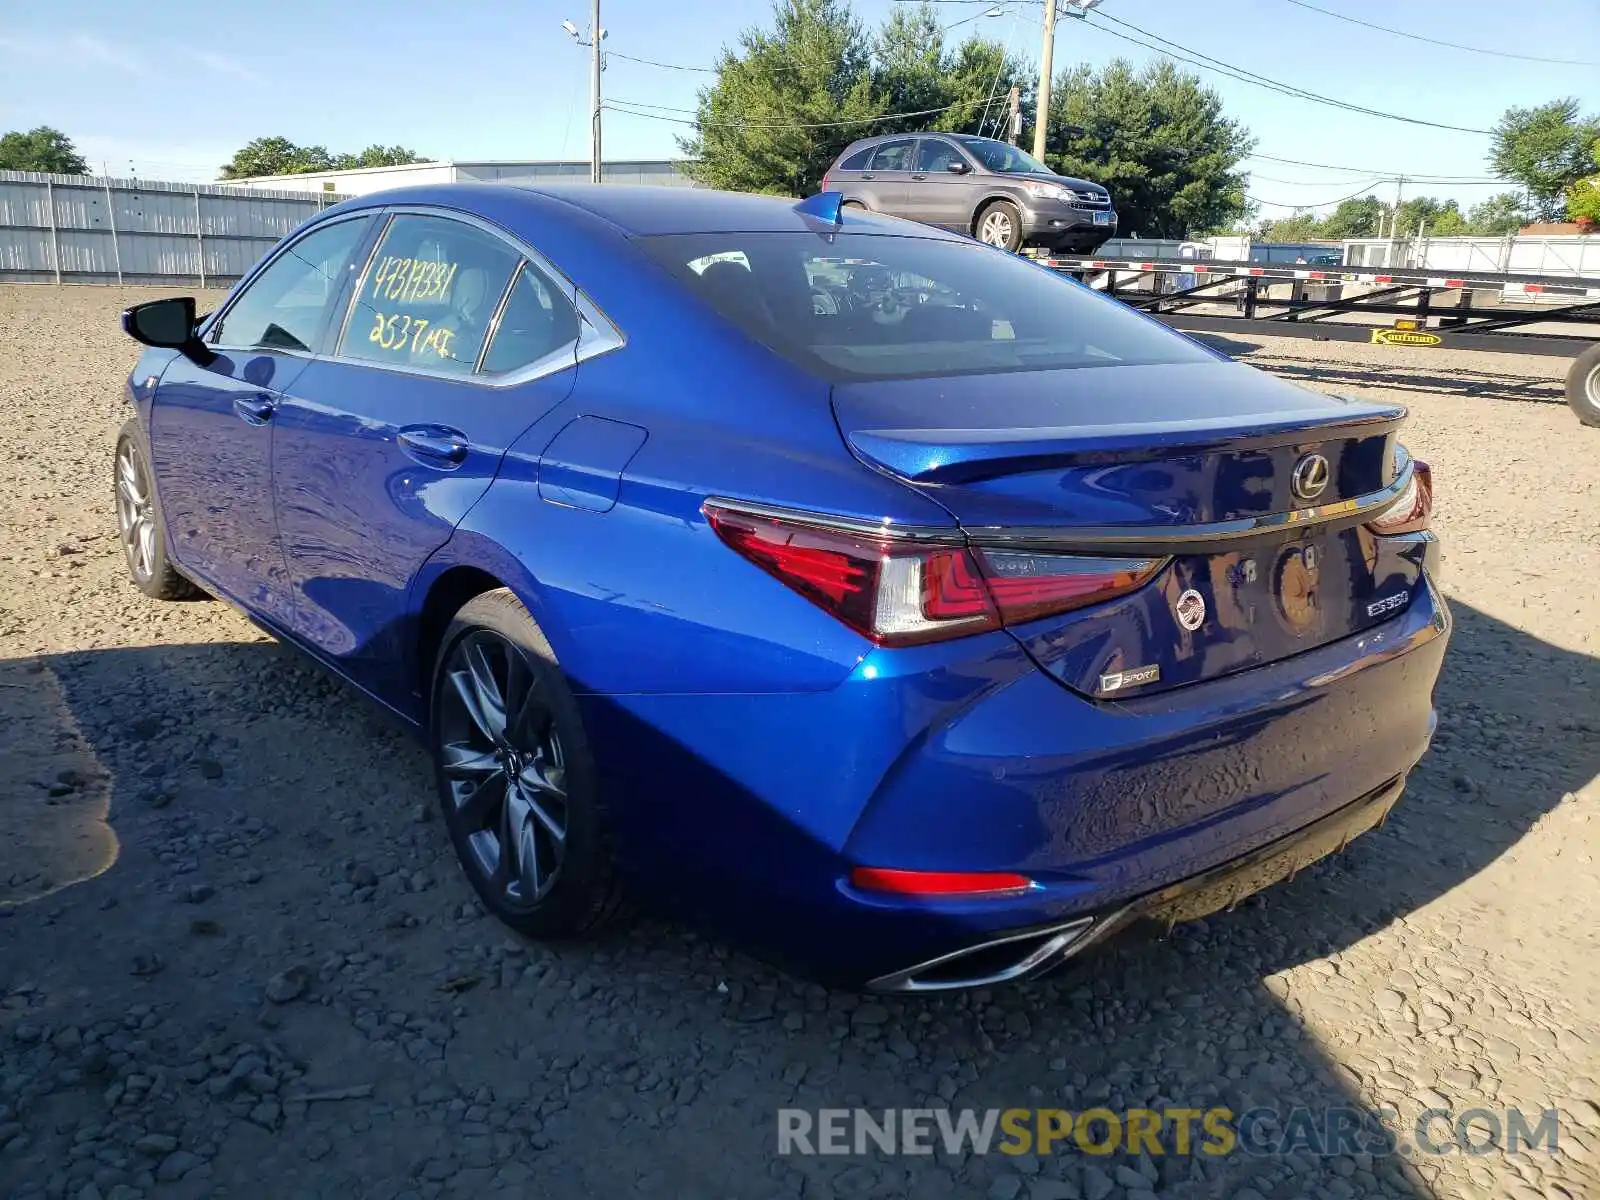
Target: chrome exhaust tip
(1001, 960)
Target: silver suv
(973, 185)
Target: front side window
(872, 306)
(283, 307)
(937, 154)
(430, 292)
(537, 321)
(1006, 159)
(894, 156)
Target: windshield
(871, 306)
(1008, 160)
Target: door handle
(919, 176)
(434, 446)
(255, 410)
(866, 176)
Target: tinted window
(869, 306)
(538, 319)
(428, 296)
(857, 161)
(937, 155)
(894, 156)
(1008, 160)
(284, 306)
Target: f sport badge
(1115, 681)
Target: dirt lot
(239, 961)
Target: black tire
(141, 527)
(583, 892)
(1012, 216)
(855, 204)
(1583, 386)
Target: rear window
(869, 306)
(857, 161)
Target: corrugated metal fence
(85, 229)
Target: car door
(455, 341)
(936, 195)
(888, 174)
(212, 425)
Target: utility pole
(594, 96)
(1047, 55)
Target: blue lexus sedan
(880, 600)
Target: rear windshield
(870, 306)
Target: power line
(1417, 37)
(1322, 204)
(650, 62)
(694, 120)
(1247, 76)
(1384, 171)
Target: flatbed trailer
(1469, 310)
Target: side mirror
(957, 168)
(168, 325)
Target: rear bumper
(992, 765)
(1031, 953)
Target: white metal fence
(1554, 256)
(87, 229)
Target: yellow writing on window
(400, 331)
(409, 279)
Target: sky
(172, 95)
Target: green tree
(1583, 197)
(377, 156)
(1499, 215)
(1357, 218)
(280, 156)
(767, 123)
(41, 149)
(1157, 139)
(1301, 227)
(1547, 150)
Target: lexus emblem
(1310, 478)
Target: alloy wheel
(504, 767)
(135, 513)
(995, 228)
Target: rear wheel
(1000, 224)
(139, 524)
(514, 774)
(855, 204)
(1583, 386)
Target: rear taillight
(824, 184)
(901, 591)
(939, 883)
(1412, 508)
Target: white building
(361, 180)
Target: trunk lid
(1194, 463)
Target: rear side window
(283, 308)
(431, 289)
(872, 306)
(537, 321)
(857, 161)
(894, 156)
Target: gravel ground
(237, 959)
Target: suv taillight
(901, 592)
(1412, 508)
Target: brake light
(939, 883)
(824, 186)
(901, 592)
(1412, 508)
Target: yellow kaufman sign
(1404, 337)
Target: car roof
(636, 210)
